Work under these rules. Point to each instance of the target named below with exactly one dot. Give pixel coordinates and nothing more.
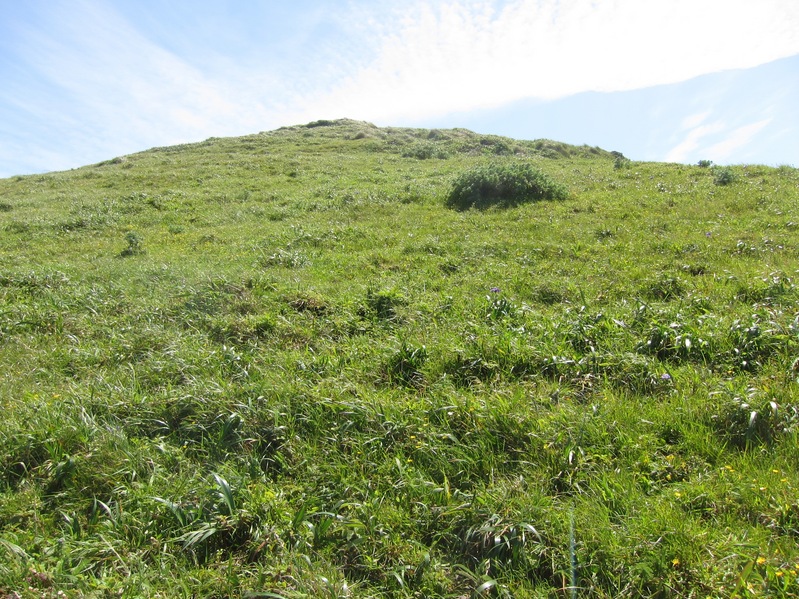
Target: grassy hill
(282, 365)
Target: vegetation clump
(503, 185)
(135, 245)
(723, 175)
(620, 160)
(425, 150)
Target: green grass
(280, 366)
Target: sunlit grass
(281, 366)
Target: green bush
(620, 160)
(503, 185)
(723, 175)
(135, 244)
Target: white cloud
(731, 140)
(102, 85)
(682, 151)
(115, 79)
(694, 120)
(458, 55)
(738, 138)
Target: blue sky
(668, 80)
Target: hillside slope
(279, 366)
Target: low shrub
(723, 175)
(503, 185)
(620, 161)
(135, 244)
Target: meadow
(289, 365)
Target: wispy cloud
(724, 139)
(455, 56)
(104, 78)
(735, 139)
(94, 78)
(122, 78)
(697, 130)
